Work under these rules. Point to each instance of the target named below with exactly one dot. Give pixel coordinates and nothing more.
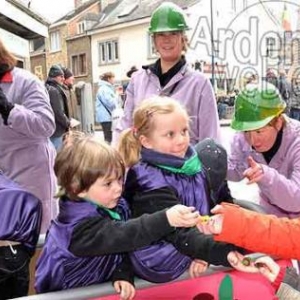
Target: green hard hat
(167, 17)
(256, 106)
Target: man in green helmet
(266, 149)
(170, 75)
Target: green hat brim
(248, 126)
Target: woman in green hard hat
(170, 75)
(266, 149)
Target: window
(81, 27)
(108, 52)
(55, 41)
(271, 44)
(79, 64)
(151, 47)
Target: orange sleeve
(260, 233)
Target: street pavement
(239, 190)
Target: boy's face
(104, 191)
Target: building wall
(57, 57)
(38, 66)
(133, 50)
(78, 46)
(72, 26)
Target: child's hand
(197, 267)
(182, 216)
(236, 260)
(255, 171)
(212, 226)
(125, 289)
(268, 267)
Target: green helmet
(167, 17)
(255, 107)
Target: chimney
(77, 3)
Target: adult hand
(236, 261)
(197, 267)
(255, 171)
(125, 289)
(5, 106)
(182, 216)
(268, 267)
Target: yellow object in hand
(204, 219)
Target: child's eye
(108, 183)
(185, 131)
(170, 134)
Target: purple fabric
(59, 269)
(161, 262)
(194, 91)
(27, 155)
(20, 214)
(280, 185)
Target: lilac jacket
(26, 154)
(280, 185)
(192, 89)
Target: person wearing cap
(59, 103)
(68, 84)
(171, 76)
(266, 149)
(26, 123)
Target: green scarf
(191, 166)
(113, 214)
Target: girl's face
(170, 134)
(169, 45)
(104, 191)
(264, 138)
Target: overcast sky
(51, 9)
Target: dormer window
(81, 27)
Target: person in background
(295, 101)
(21, 216)
(277, 236)
(282, 85)
(68, 84)
(106, 102)
(266, 149)
(171, 76)
(26, 123)
(59, 103)
(92, 233)
(164, 170)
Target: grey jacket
(289, 289)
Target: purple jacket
(162, 262)
(58, 268)
(26, 154)
(280, 185)
(20, 214)
(193, 90)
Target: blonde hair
(82, 161)
(6, 57)
(143, 124)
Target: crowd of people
(131, 205)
